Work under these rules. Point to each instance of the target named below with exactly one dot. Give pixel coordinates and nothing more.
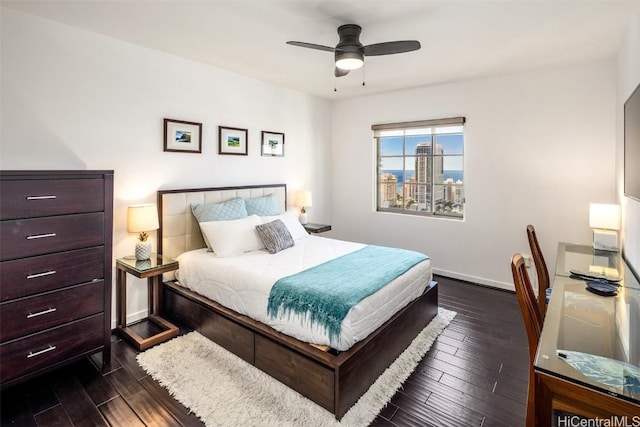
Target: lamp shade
(143, 217)
(604, 216)
(303, 198)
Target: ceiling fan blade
(389, 48)
(338, 72)
(311, 46)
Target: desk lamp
(605, 221)
(140, 219)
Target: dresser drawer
(52, 346)
(29, 237)
(28, 315)
(33, 198)
(29, 276)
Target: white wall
(539, 147)
(628, 80)
(77, 100)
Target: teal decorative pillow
(275, 236)
(225, 211)
(263, 206)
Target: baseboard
(476, 280)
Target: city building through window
(420, 167)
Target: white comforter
(242, 283)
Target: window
(420, 167)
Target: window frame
(430, 158)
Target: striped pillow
(275, 236)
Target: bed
(331, 376)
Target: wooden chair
(541, 269)
(532, 322)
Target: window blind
(420, 123)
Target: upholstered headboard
(179, 230)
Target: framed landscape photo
(232, 141)
(272, 144)
(182, 137)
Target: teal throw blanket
(324, 294)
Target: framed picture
(232, 141)
(272, 144)
(182, 137)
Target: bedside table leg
(153, 295)
(158, 295)
(121, 298)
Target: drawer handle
(40, 197)
(40, 313)
(38, 353)
(46, 273)
(41, 236)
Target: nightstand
(313, 228)
(151, 269)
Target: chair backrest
(528, 304)
(533, 324)
(541, 269)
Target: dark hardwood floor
(475, 374)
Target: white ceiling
(460, 39)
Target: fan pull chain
(363, 74)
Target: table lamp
(140, 219)
(605, 221)
(304, 201)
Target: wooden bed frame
(334, 380)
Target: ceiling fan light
(349, 60)
(349, 63)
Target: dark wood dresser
(55, 269)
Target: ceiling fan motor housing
(349, 46)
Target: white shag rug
(224, 390)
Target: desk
(585, 258)
(586, 336)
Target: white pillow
(290, 219)
(233, 237)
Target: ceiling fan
(350, 53)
